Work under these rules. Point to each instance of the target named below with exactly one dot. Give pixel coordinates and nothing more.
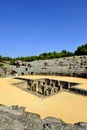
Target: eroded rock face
(13, 119)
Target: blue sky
(31, 27)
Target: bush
(1, 65)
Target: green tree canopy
(81, 50)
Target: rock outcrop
(16, 118)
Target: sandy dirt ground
(67, 106)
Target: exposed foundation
(47, 87)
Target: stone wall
(75, 66)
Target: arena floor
(69, 107)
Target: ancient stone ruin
(46, 87)
(75, 66)
(16, 118)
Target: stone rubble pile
(16, 118)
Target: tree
(81, 50)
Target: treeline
(81, 50)
(5, 58)
(45, 56)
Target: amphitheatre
(58, 96)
